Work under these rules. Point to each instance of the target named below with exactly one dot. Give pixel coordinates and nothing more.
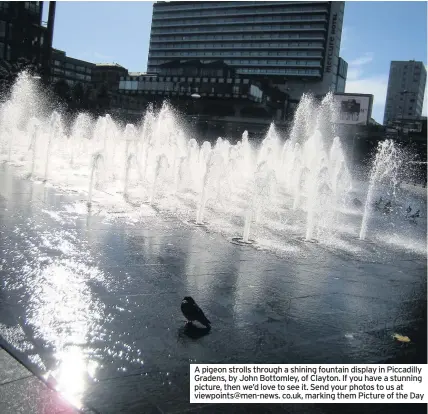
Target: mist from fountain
(304, 178)
(386, 166)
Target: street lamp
(195, 96)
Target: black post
(47, 44)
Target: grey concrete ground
(95, 303)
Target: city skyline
(368, 54)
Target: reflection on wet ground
(93, 304)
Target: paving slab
(22, 392)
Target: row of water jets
(158, 158)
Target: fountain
(96, 160)
(55, 130)
(385, 166)
(161, 165)
(213, 167)
(128, 163)
(304, 179)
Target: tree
(78, 96)
(62, 90)
(103, 97)
(90, 97)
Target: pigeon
(377, 203)
(357, 203)
(417, 214)
(387, 207)
(193, 312)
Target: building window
(4, 5)
(1, 50)
(2, 29)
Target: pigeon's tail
(205, 321)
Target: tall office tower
(294, 44)
(406, 89)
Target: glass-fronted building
(295, 43)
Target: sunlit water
(280, 194)
(302, 185)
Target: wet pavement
(21, 392)
(92, 304)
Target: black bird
(357, 203)
(378, 203)
(417, 214)
(387, 208)
(409, 209)
(192, 312)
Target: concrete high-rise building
(296, 44)
(406, 89)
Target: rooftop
(110, 64)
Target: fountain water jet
(161, 164)
(203, 199)
(96, 159)
(214, 165)
(131, 157)
(54, 129)
(385, 166)
(310, 181)
(33, 148)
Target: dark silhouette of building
(24, 35)
(211, 94)
(71, 70)
(108, 74)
